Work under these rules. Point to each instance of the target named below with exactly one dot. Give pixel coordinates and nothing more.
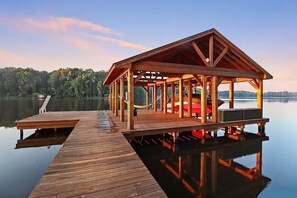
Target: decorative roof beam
(199, 52)
(194, 69)
(220, 56)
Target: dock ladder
(42, 109)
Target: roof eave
(106, 79)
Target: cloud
(64, 24)
(78, 42)
(67, 35)
(68, 25)
(6, 56)
(122, 43)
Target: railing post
(42, 109)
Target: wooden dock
(93, 162)
(96, 160)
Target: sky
(52, 34)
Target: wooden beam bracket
(254, 84)
(200, 54)
(222, 54)
(139, 76)
(197, 79)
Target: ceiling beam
(193, 69)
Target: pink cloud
(122, 43)
(78, 42)
(6, 56)
(67, 26)
(64, 24)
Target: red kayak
(198, 134)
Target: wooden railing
(42, 109)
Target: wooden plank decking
(93, 162)
(97, 161)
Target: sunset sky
(47, 35)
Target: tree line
(247, 94)
(75, 82)
(69, 82)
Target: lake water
(21, 169)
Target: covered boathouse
(204, 60)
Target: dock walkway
(92, 162)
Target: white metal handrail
(42, 109)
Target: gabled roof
(225, 55)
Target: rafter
(220, 56)
(190, 57)
(139, 76)
(199, 52)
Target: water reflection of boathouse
(211, 170)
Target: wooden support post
(175, 136)
(259, 162)
(181, 97)
(172, 97)
(214, 172)
(203, 99)
(122, 100)
(260, 96)
(261, 129)
(155, 97)
(147, 94)
(116, 100)
(214, 99)
(21, 134)
(202, 180)
(130, 108)
(190, 98)
(231, 95)
(211, 51)
(180, 167)
(113, 98)
(165, 98)
(110, 97)
(161, 98)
